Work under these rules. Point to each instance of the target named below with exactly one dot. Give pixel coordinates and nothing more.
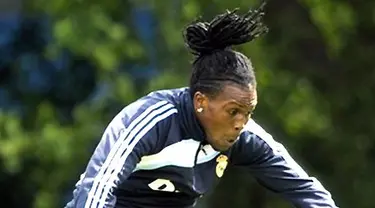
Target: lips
(232, 139)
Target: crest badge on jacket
(222, 162)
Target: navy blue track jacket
(153, 154)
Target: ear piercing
(199, 110)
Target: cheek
(218, 121)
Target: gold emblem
(222, 162)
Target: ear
(200, 100)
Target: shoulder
(151, 108)
(254, 131)
(253, 127)
(255, 139)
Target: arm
(127, 138)
(273, 167)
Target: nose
(239, 126)
(240, 122)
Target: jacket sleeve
(273, 167)
(131, 134)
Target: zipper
(200, 147)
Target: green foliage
(315, 93)
(336, 21)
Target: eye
(233, 112)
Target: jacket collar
(189, 123)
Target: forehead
(234, 93)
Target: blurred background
(68, 66)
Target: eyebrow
(239, 104)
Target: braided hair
(216, 63)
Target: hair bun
(224, 31)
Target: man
(169, 147)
